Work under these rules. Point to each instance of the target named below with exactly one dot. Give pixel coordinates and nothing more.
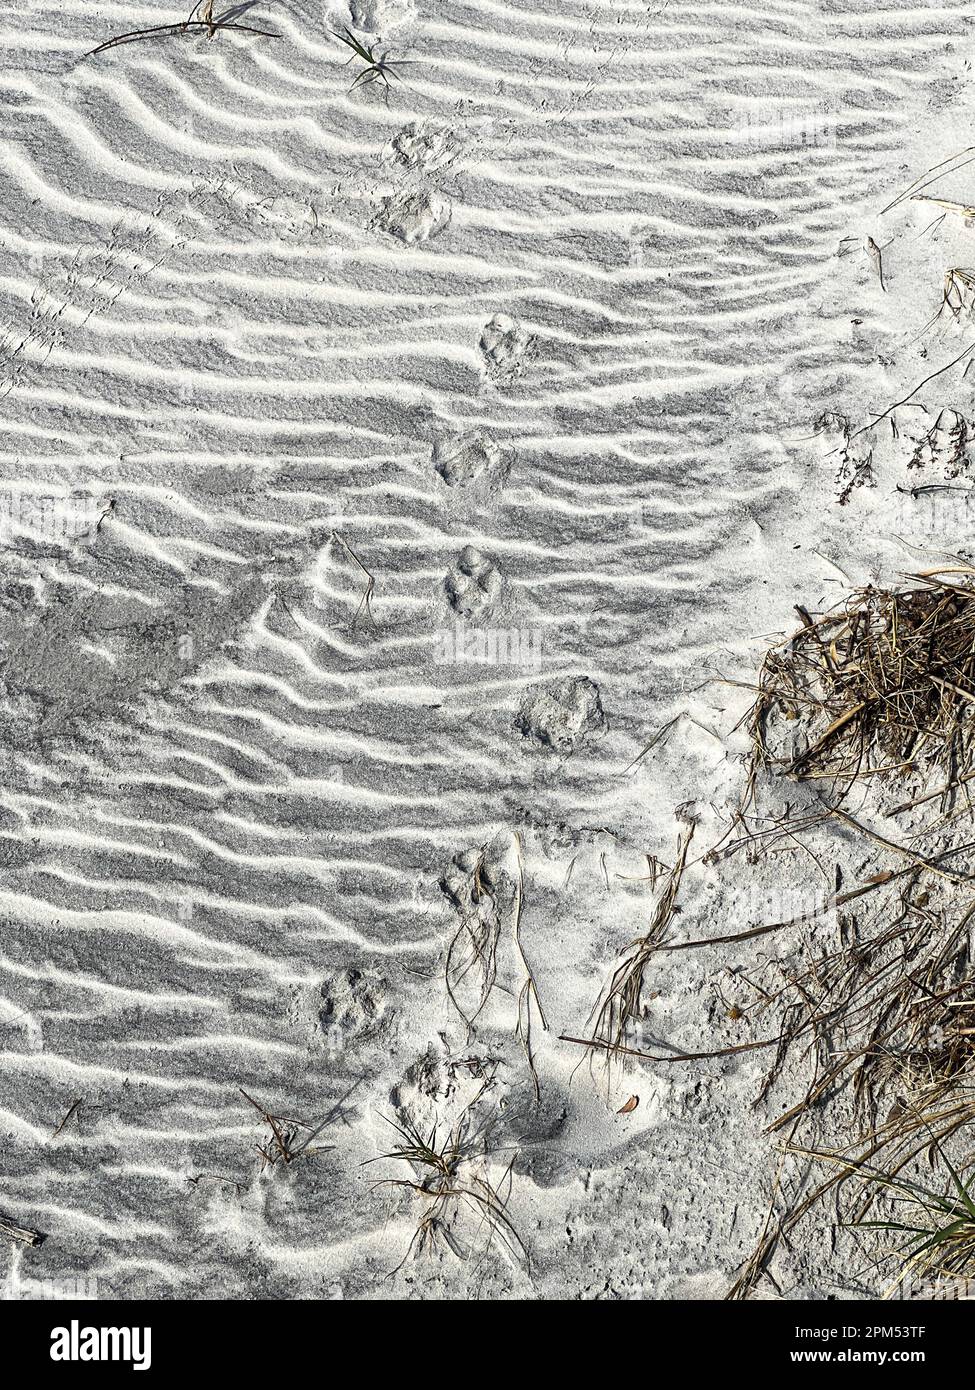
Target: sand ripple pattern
(374, 427)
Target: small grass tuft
(289, 1139)
(446, 1180)
(936, 1229)
(378, 67)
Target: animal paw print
(425, 148)
(473, 585)
(382, 17)
(561, 715)
(505, 345)
(414, 216)
(465, 459)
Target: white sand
(542, 335)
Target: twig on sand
(197, 1178)
(962, 209)
(913, 392)
(664, 729)
(618, 1048)
(937, 171)
(922, 863)
(21, 1233)
(71, 1111)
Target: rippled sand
(414, 456)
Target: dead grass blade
(621, 1001)
(207, 23)
(365, 604)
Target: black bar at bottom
(66, 1339)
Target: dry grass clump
(887, 1010)
(874, 1006)
(883, 1014)
(914, 1133)
(882, 1020)
(884, 683)
(958, 295)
